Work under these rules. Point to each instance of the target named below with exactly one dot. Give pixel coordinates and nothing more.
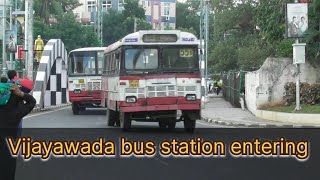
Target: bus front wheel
(75, 108)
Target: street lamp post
(4, 54)
(29, 39)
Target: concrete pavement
(219, 111)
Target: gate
(233, 86)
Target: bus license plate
(81, 81)
(134, 83)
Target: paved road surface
(92, 118)
(156, 167)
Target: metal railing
(233, 86)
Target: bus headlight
(191, 97)
(131, 99)
(77, 91)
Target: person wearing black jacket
(19, 105)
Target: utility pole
(26, 22)
(11, 54)
(202, 64)
(207, 37)
(204, 34)
(99, 21)
(4, 54)
(298, 107)
(30, 40)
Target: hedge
(309, 93)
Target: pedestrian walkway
(219, 111)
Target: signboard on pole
(11, 41)
(299, 53)
(296, 19)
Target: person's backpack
(5, 92)
(26, 85)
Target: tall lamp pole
(30, 39)
(4, 54)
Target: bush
(283, 48)
(309, 94)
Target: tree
(68, 30)
(46, 8)
(133, 9)
(117, 24)
(186, 16)
(113, 30)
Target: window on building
(104, 5)
(109, 4)
(120, 3)
(91, 6)
(166, 9)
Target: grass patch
(312, 109)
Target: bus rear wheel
(111, 117)
(125, 121)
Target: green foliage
(187, 18)
(118, 24)
(310, 93)
(270, 18)
(256, 30)
(282, 48)
(68, 29)
(222, 58)
(251, 58)
(190, 30)
(216, 77)
(133, 9)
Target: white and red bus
(150, 75)
(84, 77)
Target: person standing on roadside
(19, 105)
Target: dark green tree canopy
(117, 24)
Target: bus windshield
(140, 59)
(86, 63)
(179, 58)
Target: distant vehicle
(149, 76)
(84, 78)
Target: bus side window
(105, 65)
(111, 64)
(114, 64)
(117, 62)
(108, 64)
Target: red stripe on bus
(161, 107)
(85, 96)
(159, 101)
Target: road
(157, 166)
(92, 118)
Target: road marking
(39, 114)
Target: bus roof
(183, 38)
(89, 49)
